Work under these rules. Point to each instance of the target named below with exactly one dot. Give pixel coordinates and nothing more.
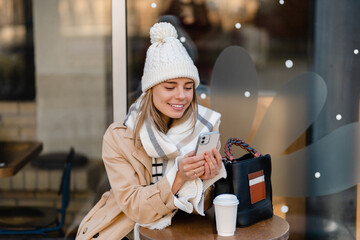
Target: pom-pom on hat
(166, 58)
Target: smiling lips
(178, 107)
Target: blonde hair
(147, 110)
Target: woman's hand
(190, 167)
(212, 165)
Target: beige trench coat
(131, 199)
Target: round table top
(190, 226)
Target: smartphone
(206, 142)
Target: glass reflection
(233, 75)
(266, 93)
(294, 108)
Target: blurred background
(56, 87)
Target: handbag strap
(240, 143)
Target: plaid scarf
(180, 139)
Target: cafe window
(294, 93)
(17, 68)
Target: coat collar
(142, 157)
(139, 153)
(128, 132)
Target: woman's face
(173, 96)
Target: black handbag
(249, 178)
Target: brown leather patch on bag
(257, 186)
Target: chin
(176, 116)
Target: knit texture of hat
(166, 58)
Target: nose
(180, 94)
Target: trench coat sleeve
(141, 202)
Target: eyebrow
(173, 82)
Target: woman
(149, 158)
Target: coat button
(85, 230)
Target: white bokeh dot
(284, 209)
(237, 25)
(153, 5)
(247, 94)
(182, 39)
(317, 174)
(356, 51)
(338, 117)
(203, 96)
(289, 63)
(281, 2)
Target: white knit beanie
(166, 58)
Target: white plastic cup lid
(226, 200)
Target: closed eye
(189, 86)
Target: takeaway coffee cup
(225, 214)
